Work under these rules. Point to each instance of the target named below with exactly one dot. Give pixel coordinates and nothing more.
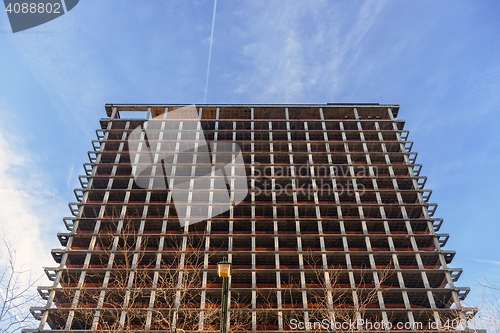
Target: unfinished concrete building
(336, 227)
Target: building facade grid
(337, 225)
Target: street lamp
(224, 271)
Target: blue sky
(440, 60)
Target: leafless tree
(16, 291)
(488, 314)
(329, 298)
(134, 291)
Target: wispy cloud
(71, 175)
(295, 50)
(62, 62)
(484, 261)
(27, 206)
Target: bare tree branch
(16, 291)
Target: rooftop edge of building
(342, 108)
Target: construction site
(335, 230)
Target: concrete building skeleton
(337, 226)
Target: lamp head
(224, 268)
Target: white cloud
(26, 213)
(26, 206)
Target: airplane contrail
(210, 51)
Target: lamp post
(224, 271)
